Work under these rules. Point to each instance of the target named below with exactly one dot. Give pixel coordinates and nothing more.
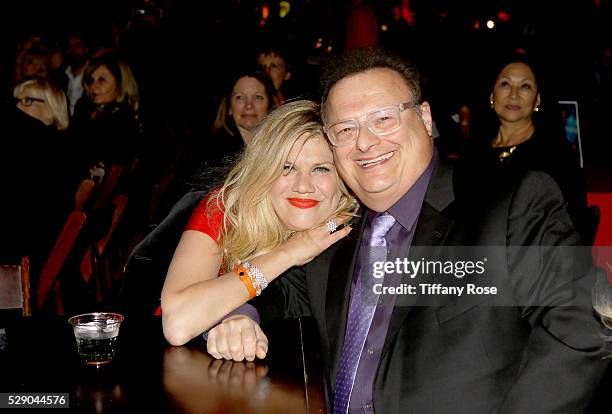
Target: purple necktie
(361, 311)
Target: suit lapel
(430, 234)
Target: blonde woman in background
(108, 80)
(269, 216)
(43, 101)
(107, 118)
(38, 173)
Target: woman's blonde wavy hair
(602, 298)
(251, 226)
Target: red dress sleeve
(206, 218)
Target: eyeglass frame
(28, 100)
(401, 107)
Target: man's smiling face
(380, 169)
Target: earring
(491, 102)
(536, 109)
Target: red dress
(206, 221)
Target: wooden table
(148, 375)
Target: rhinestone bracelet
(258, 280)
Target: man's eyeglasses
(381, 121)
(28, 100)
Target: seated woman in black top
(107, 120)
(527, 136)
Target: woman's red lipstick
(303, 202)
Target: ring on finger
(331, 225)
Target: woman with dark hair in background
(276, 65)
(244, 106)
(526, 136)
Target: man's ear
(426, 117)
(538, 100)
(287, 76)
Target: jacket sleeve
(552, 278)
(146, 268)
(285, 297)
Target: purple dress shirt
(399, 238)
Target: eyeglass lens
(28, 100)
(381, 122)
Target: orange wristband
(243, 275)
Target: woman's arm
(194, 298)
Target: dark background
(182, 63)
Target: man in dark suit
(532, 345)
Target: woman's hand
(305, 245)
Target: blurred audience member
(277, 67)
(32, 60)
(247, 100)
(76, 58)
(37, 182)
(106, 120)
(43, 101)
(527, 137)
(107, 133)
(243, 107)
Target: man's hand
(237, 338)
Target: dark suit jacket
(534, 348)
